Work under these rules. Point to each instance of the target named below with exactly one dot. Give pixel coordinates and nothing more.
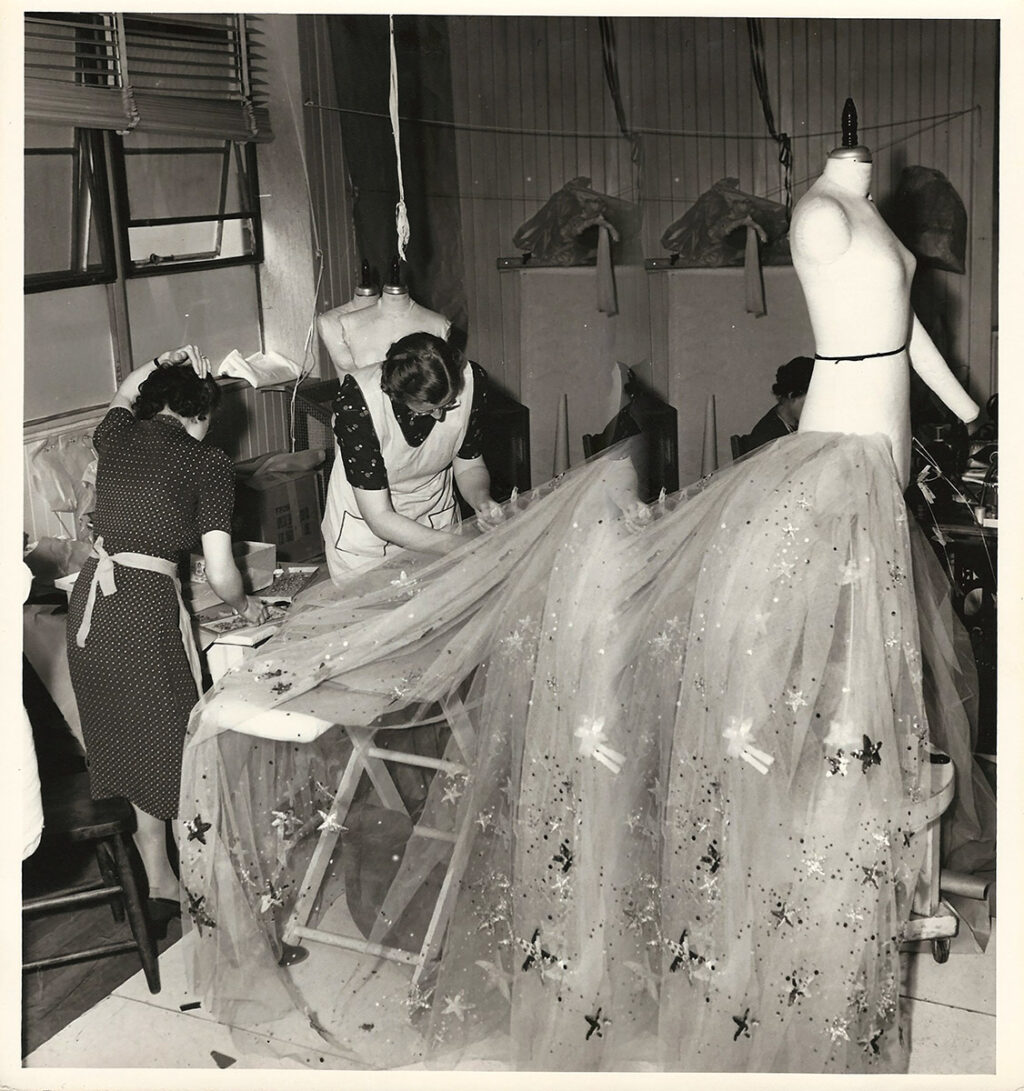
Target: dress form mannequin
(856, 278)
(329, 323)
(362, 337)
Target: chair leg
(109, 872)
(137, 915)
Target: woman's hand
(187, 354)
(255, 611)
(489, 514)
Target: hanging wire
(761, 81)
(640, 130)
(611, 73)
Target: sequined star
(452, 792)
(713, 859)
(854, 915)
(836, 764)
(760, 619)
(744, 1024)
(871, 875)
(497, 976)
(197, 911)
(485, 819)
(896, 573)
(698, 684)
(197, 829)
(784, 568)
(870, 1042)
(681, 950)
(784, 913)
(271, 897)
(837, 1030)
(789, 530)
(419, 999)
(330, 823)
(869, 754)
(803, 501)
(814, 864)
(594, 1024)
(564, 856)
(537, 956)
(456, 1005)
(797, 988)
(795, 699)
(562, 885)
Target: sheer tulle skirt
(702, 736)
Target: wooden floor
(51, 999)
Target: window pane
(190, 242)
(69, 355)
(65, 203)
(178, 176)
(216, 309)
(49, 182)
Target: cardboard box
(278, 500)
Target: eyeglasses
(437, 412)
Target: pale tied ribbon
(401, 215)
(104, 579)
(592, 745)
(737, 735)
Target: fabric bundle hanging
(401, 214)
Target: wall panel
(688, 84)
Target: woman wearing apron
(133, 660)
(408, 431)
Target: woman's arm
(376, 508)
(128, 391)
(474, 483)
(225, 579)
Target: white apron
(421, 479)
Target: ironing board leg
(445, 900)
(321, 858)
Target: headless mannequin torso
(856, 278)
(363, 337)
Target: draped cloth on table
(701, 731)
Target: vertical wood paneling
(693, 76)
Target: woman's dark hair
(423, 368)
(179, 389)
(794, 378)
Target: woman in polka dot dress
(134, 666)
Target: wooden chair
(71, 816)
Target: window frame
(132, 270)
(100, 193)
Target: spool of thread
(709, 454)
(561, 463)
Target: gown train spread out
(702, 734)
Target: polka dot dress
(158, 491)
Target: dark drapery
(360, 50)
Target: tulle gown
(702, 732)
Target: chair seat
(72, 814)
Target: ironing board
(365, 719)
